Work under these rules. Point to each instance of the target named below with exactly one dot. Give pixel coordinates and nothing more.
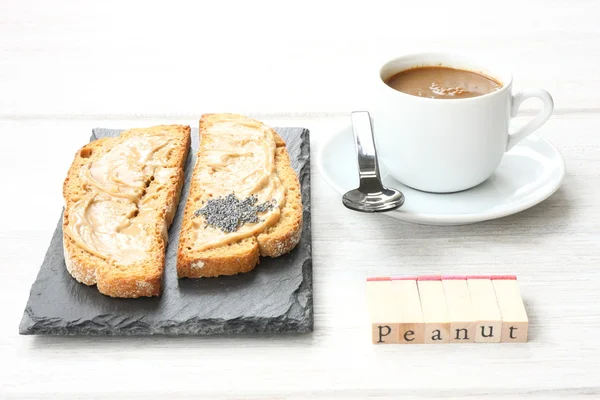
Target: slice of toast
(206, 251)
(121, 195)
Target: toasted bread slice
(241, 251)
(121, 195)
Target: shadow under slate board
(275, 297)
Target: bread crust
(142, 280)
(243, 255)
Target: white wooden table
(67, 67)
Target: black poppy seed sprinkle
(229, 213)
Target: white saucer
(528, 174)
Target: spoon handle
(368, 169)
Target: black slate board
(275, 297)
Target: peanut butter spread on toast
(117, 217)
(240, 159)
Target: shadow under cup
(441, 145)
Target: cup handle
(539, 119)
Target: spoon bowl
(387, 199)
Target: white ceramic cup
(448, 145)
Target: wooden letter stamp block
(460, 310)
(411, 327)
(488, 320)
(433, 305)
(383, 310)
(515, 323)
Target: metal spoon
(371, 195)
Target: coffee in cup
(442, 83)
